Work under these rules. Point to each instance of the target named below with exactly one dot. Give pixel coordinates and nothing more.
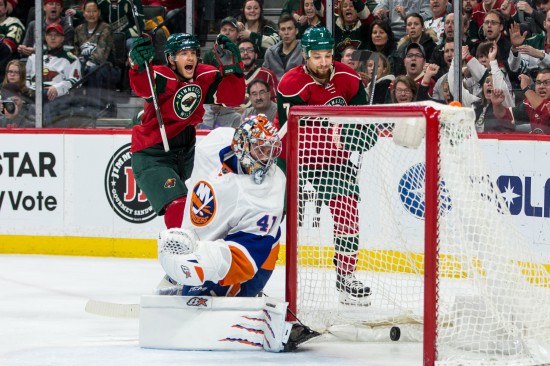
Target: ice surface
(43, 322)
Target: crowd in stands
(505, 53)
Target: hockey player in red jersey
(323, 81)
(182, 87)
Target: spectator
(504, 8)
(52, 10)
(529, 18)
(415, 60)
(491, 78)
(532, 53)
(11, 5)
(382, 40)
(73, 10)
(289, 8)
(16, 74)
(216, 115)
(249, 56)
(428, 79)
(359, 66)
(11, 33)
(493, 29)
(468, 8)
(486, 63)
(534, 109)
(260, 103)
(486, 119)
(230, 29)
(61, 70)
(438, 56)
(416, 33)
(471, 28)
(118, 14)
(352, 25)
(404, 89)
(93, 45)
(312, 11)
(287, 53)
(254, 26)
(395, 11)
(17, 114)
(444, 68)
(384, 78)
(437, 20)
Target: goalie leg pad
(210, 262)
(276, 329)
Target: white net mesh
(494, 286)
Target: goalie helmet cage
(437, 245)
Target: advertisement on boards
(32, 189)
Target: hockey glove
(228, 56)
(142, 52)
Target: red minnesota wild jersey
(297, 87)
(181, 103)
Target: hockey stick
(151, 86)
(282, 131)
(112, 310)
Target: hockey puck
(395, 333)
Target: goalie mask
(317, 39)
(257, 145)
(181, 41)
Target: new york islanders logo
(186, 100)
(203, 204)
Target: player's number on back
(265, 223)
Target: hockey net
(437, 245)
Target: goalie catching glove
(142, 52)
(228, 56)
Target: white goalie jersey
(224, 203)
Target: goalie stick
(112, 310)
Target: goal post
(432, 237)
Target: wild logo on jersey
(47, 74)
(203, 204)
(186, 100)
(336, 101)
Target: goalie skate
(352, 291)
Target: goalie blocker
(218, 323)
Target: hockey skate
(352, 291)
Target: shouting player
(235, 208)
(182, 87)
(323, 81)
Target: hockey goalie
(219, 261)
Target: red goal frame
(431, 203)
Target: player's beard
(323, 78)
